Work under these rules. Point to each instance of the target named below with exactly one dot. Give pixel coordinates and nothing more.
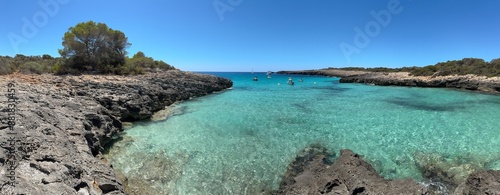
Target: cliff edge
(54, 128)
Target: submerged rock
(348, 175)
(168, 112)
(449, 171)
(304, 158)
(156, 172)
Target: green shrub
(31, 68)
(6, 67)
(129, 69)
(139, 60)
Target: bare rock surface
(468, 82)
(348, 175)
(315, 171)
(62, 124)
(483, 182)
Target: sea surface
(241, 141)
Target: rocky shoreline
(63, 124)
(466, 82)
(315, 171)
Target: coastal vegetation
(88, 47)
(464, 66)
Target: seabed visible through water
(241, 141)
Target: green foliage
(130, 69)
(28, 64)
(47, 57)
(461, 67)
(94, 46)
(5, 66)
(139, 64)
(378, 69)
(31, 68)
(424, 71)
(139, 54)
(88, 47)
(147, 63)
(456, 67)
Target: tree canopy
(94, 46)
(88, 47)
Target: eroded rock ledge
(348, 175)
(63, 123)
(468, 82)
(315, 171)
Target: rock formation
(348, 175)
(483, 182)
(64, 122)
(315, 171)
(468, 82)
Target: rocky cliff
(467, 82)
(62, 124)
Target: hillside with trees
(464, 66)
(88, 47)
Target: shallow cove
(241, 141)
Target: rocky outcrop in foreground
(468, 82)
(62, 124)
(348, 175)
(314, 171)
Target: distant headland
(469, 73)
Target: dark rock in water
(63, 123)
(348, 175)
(450, 172)
(157, 169)
(304, 159)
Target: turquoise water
(241, 141)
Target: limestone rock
(348, 175)
(64, 122)
(483, 182)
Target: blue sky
(267, 35)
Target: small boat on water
(269, 74)
(255, 78)
(290, 81)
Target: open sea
(241, 141)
